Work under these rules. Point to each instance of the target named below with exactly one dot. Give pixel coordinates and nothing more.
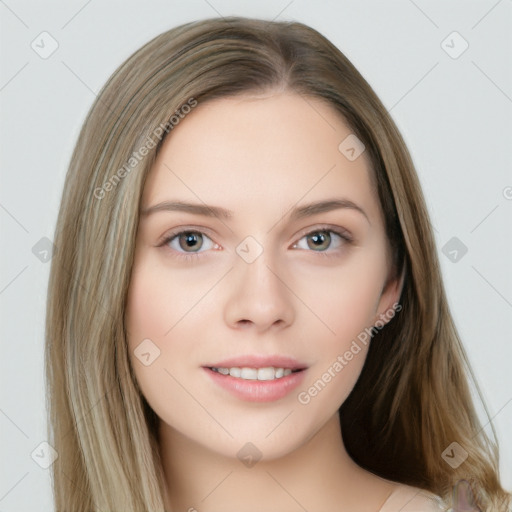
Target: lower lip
(257, 390)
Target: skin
(258, 156)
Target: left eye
(321, 240)
(189, 241)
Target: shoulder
(405, 498)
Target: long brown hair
(413, 397)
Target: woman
(246, 310)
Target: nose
(259, 297)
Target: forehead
(268, 153)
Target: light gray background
(454, 113)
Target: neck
(319, 475)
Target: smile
(268, 373)
(256, 383)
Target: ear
(389, 300)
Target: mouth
(257, 379)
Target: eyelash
(189, 257)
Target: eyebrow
(297, 213)
(194, 208)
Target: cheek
(152, 321)
(147, 319)
(345, 298)
(144, 319)
(166, 313)
(159, 300)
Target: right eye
(188, 242)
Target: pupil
(190, 240)
(319, 239)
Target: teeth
(269, 373)
(248, 373)
(266, 374)
(235, 372)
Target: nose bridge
(262, 274)
(258, 294)
(257, 261)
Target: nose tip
(258, 297)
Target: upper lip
(259, 361)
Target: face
(261, 258)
